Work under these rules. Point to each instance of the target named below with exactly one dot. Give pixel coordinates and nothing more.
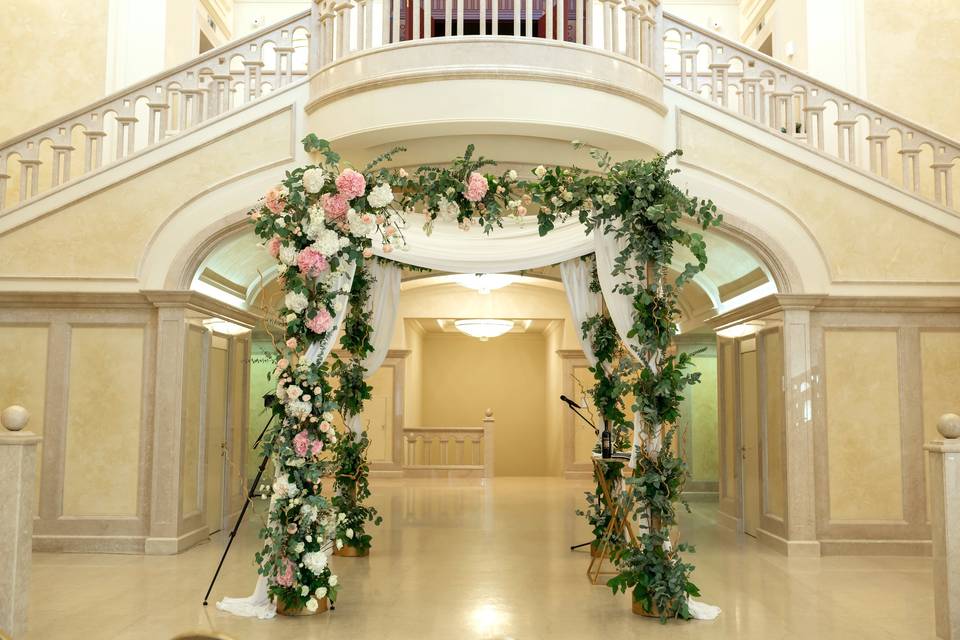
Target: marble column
(945, 522)
(18, 455)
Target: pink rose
(312, 263)
(282, 363)
(300, 443)
(321, 322)
(291, 343)
(274, 246)
(316, 447)
(334, 206)
(324, 426)
(351, 184)
(476, 187)
(274, 200)
(521, 210)
(256, 215)
(368, 252)
(387, 248)
(292, 528)
(285, 579)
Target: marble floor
(464, 559)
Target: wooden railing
(452, 451)
(154, 110)
(793, 104)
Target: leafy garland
(351, 482)
(321, 223)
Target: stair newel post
(488, 443)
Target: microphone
(570, 402)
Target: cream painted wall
(38, 88)
(102, 463)
(463, 376)
(724, 14)
(553, 423)
(193, 392)
(266, 11)
(703, 447)
(413, 380)
(912, 60)
(23, 378)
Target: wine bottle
(605, 443)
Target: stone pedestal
(18, 454)
(945, 521)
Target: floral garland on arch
(321, 224)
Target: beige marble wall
(193, 395)
(727, 395)
(102, 457)
(863, 413)
(774, 470)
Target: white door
(216, 427)
(377, 416)
(749, 438)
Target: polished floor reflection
(461, 559)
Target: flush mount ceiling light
(484, 282)
(484, 328)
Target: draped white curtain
(383, 304)
(576, 275)
(259, 604)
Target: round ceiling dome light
(484, 328)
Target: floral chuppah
(321, 224)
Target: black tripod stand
(576, 409)
(243, 511)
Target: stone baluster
(29, 172)
(18, 454)
(444, 443)
(411, 457)
(846, 140)
(283, 71)
(528, 8)
(221, 86)
(316, 37)
(649, 46)
(426, 445)
(253, 74)
(719, 77)
(488, 443)
(428, 18)
(877, 141)
(631, 30)
(157, 124)
(459, 17)
(944, 459)
(516, 15)
(548, 15)
(688, 69)
(494, 15)
(363, 22)
(458, 449)
(62, 150)
(752, 98)
(943, 179)
(4, 177)
(813, 118)
(910, 160)
(126, 138)
(94, 134)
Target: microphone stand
(597, 432)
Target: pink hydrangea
(285, 579)
(351, 184)
(476, 187)
(274, 200)
(274, 246)
(301, 442)
(316, 447)
(312, 263)
(321, 322)
(334, 206)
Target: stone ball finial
(488, 413)
(14, 417)
(949, 425)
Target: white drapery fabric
(383, 304)
(513, 248)
(259, 604)
(576, 275)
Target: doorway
(749, 436)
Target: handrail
(775, 95)
(169, 102)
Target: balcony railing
(154, 110)
(851, 130)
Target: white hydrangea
(288, 255)
(327, 242)
(316, 222)
(309, 514)
(283, 488)
(333, 581)
(296, 302)
(299, 409)
(315, 562)
(380, 196)
(361, 224)
(313, 180)
(447, 210)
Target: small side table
(619, 519)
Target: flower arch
(322, 224)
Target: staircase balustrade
(793, 104)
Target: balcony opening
(504, 20)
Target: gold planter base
(322, 605)
(346, 551)
(637, 609)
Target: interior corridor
(486, 559)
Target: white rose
(512, 174)
(311, 605)
(446, 210)
(304, 590)
(296, 302)
(341, 517)
(380, 196)
(294, 392)
(540, 171)
(315, 562)
(320, 592)
(313, 180)
(350, 533)
(339, 543)
(299, 549)
(288, 255)
(332, 581)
